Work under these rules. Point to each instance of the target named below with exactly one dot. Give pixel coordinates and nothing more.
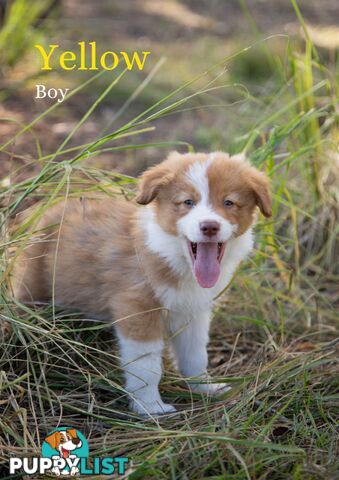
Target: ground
(190, 37)
(274, 333)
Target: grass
(19, 31)
(274, 335)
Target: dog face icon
(64, 441)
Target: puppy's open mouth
(65, 452)
(206, 258)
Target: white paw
(213, 389)
(153, 409)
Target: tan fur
(229, 178)
(101, 264)
(237, 181)
(95, 266)
(72, 432)
(54, 439)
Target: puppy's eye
(228, 203)
(189, 203)
(62, 440)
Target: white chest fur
(189, 298)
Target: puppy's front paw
(56, 471)
(151, 409)
(209, 388)
(75, 471)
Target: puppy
(64, 441)
(153, 271)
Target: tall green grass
(273, 338)
(18, 33)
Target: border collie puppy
(152, 271)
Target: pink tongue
(65, 452)
(206, 265)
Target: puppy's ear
(72, 432)
(261, 188)
(152, 181)
(53, 440)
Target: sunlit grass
(273, 337)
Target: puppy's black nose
(76, 441)
(210, 227)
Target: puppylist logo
(65, 452)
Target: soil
(192, 33)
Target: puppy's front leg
(142, 364)
(189, 343)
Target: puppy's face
(64, 441)
(205, 200)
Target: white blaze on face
(67, 446)
(206, 259)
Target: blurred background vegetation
(257, 76)
(187, 37)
